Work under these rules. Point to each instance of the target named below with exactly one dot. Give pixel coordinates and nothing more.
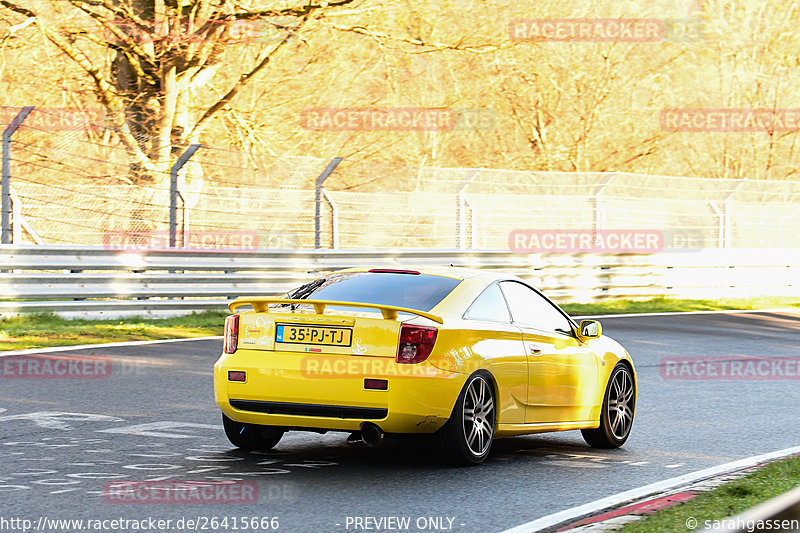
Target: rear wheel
(467, 437)
(616, 416)
(251, 436)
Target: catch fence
(75, 185)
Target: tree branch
(18, 9)
(302, 11)
(243, 80)
(130, 43)
(104, 89)
(384, 38)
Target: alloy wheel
(478, 416)
(620, 404)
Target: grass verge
(729, 499)
(43, 330)
(663, 305)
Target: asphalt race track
(152, 417)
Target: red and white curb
(616, 518)
(611, 512)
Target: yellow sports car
(465, 355)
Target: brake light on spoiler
(394, 271)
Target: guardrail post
(7, 231)
(318, 198)
(174, 193)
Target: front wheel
(616, 416)
(251, 436)
(467, 437)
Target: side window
(529, 308)
(490, 305)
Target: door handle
(535, 350)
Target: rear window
(415, 291)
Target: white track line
(673, 313)
(627, 496)
(104, 345)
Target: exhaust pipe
(371, 434)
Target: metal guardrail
(75, 281)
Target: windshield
(414, 291)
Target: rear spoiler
(389, 312)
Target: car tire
(251, 436)
(466, 438)
(616, 415)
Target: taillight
(416, 343)
(231, 340)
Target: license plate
(324, 335)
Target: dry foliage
(239, 74)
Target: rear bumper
(310, 409)
(291, 389)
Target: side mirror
(590, 329)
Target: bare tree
(148, 59)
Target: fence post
(21, 224)
(7, 231)
(16, 219)
(726, 218)
(720, 226)
(598, 210)
(473, 220)
(174, 192)
(334, 219)
(461, 205)
(318, 197)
